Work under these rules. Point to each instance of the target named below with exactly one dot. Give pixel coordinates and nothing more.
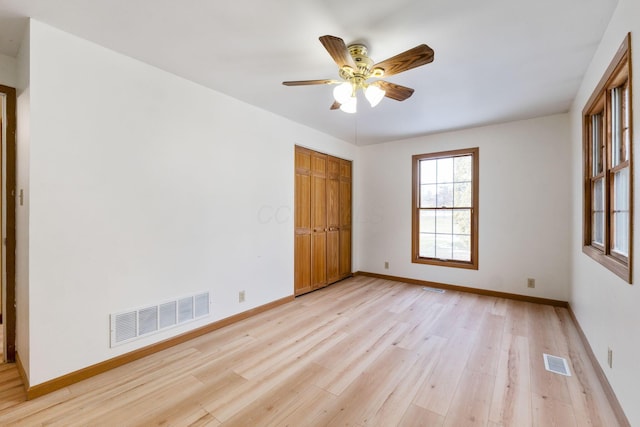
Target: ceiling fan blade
(394, 91)
(335, 105)
(412, 58)
(310, 82)
(338, 51)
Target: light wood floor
(361, 352)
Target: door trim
(8, 195)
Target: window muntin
(445, 208)
(608, 168)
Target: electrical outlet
(610, 357)
(531, 283)
(386, 265)
(241, 296)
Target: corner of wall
(22, 209)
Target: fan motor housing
(359, 54)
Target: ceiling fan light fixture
(350, 106)
(374, 95)
(355, 68)
(343, 92)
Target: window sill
(612, 264)
(444, 263)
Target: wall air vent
(435, 290)
(557, 365)
(137, 323)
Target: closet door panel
(345, 253)
(333, 219)
(302, 279)
(345, 218)
(302, 222)
(318, 220)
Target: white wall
(524, 207)
(143, 187)
(608, 308)
(22, 211)
(8, 71)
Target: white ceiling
(495, 60)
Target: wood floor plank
(225, 406)
(486, 351)
(472, 401)
(436, 393)
(516, 318)
(374, 386)
(416, 416)
(279, 350)
(397, 403)
(315, 410)
(338, 379)
(269, 408)
(176, 395)
(424, 319)
(549, 412)
(514, 411)
(511, 402)
(362, 352)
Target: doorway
(8, 220)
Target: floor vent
(556, 365)
(436, 290)
(133, 324)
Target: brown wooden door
(318, 220)
(333, 219)
(322, 220)
(345, 219)
(302, 212)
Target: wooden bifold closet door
(322, 220)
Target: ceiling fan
(356, 68)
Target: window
(607, 222)
(445, 208)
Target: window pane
(445, 170)
(621, 190)
(427, 245)
(462, 221)
(462, 169)
(597, 228)
(598, 195)
(462, 195)
(626, 118)
(617, 145)
(428, 171)
(597, 225)
(444, 222)
(596, 143)
(462, 248)
(427, 221)
(428, 194)
(444, 243)
(621, 233)
(445, 195)
(621, 212)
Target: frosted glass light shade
(374, 95)
(343, 92)
(350, 106)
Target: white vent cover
(556, 364)
(430, 289)
(133, 324)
